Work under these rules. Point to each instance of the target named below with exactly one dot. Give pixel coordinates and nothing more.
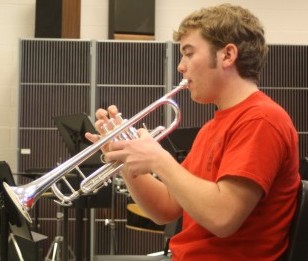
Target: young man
(237, 188)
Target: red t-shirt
(254, 139)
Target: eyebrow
(185, 47)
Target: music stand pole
(113, 248)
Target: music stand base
(56, 249)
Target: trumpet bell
(22, 204)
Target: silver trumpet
(25, 196)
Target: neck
(237, 90)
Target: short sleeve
(254, 150)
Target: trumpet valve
(104, 128)
(133, 133)
(118, 119)
(124, 136)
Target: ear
(230, 53)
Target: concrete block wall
(285, 22)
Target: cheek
(206, 90)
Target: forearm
(153, 197)
(210, 204)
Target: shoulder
(264, 108)
(270, 120)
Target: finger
(92, 137)
(99, 126)
(114, 156)
(113, 111)
(117, 145)
(101, 114)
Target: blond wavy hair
(224, 24)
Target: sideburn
(213, 58)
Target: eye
(189, 54)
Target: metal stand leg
(78, 234)
(59, 249)
(12, 238)
(111, 223)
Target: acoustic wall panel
(37, 141)
(285, 79)
(294, 100)
(55, 61)
(131, 63)
(56, 100)
(286, 66)
(303, 144)
(54, 80)
(131, 75)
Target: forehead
(192, 40)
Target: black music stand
(179, 142)
(12, 220)
(72, 128)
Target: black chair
(303, 168)
(298, 248)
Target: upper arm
(255, 151)
(240, 197)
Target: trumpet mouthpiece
(184, 82)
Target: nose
(181, 67)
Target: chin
(197, 99)
(203, 97)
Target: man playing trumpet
(237, 188)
